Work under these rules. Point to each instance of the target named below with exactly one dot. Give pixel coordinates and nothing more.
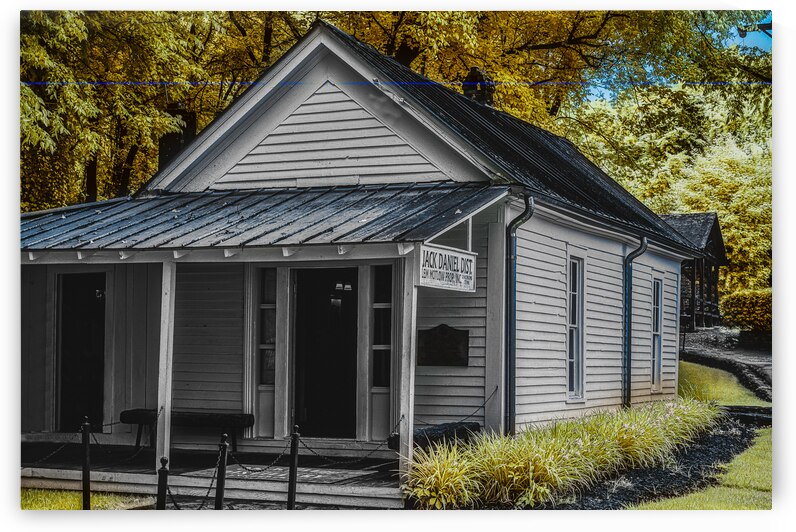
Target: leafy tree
(83, 140)
(95, 86)
(684, 122)
(682, 149)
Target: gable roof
(549, 165)
(698, 227)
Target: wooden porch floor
(369, 483)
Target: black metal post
(85, 428)
(291, 484)
(163, 484)
(223, 448)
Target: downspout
(627, 319)
(511, 313)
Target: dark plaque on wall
(443, 346)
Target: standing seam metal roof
(549, 165)
(275, 217)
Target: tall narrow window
(266, 338)
(657, 317)
(575, 329)
(382, 325)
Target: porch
(184, 324)
(256, 478)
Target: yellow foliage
(748, 309)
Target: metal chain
(355, 460)
(212, 481)
(109, 451)
(465, 418)
(58, 450)
(342, 462)
(260, 469)
(173, 500)
(96, 441)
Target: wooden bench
(227, 422)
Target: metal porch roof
(278, 217)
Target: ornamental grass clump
(546, 463)
(444, 476)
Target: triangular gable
(330, 137)
(317, 117)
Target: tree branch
(244, 34)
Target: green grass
(745, 485)
(710, 384)
(39, 499)
(550, 463)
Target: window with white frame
(575, 328)
(657, 318)
(382, 326)
(266, 318)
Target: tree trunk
(406, 54)
(121, 173)
(268, 30)
(91, 180)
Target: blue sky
(757, 38)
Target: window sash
(657, 316)
(266, 327)
(656, 305)
(574, 328)
(381, 315)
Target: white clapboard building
(356, 250)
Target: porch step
(347, 496)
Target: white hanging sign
(446, 268)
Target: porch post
(495, 324)
(692, 319)
(408, 357)
(166, 351)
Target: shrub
(748, 309)
(443, 477)
(545, 463)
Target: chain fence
(355, 460)
(71, 440)
(260, 469)
(109, 451)
(465, 418)
(173, 500)
(212, 482)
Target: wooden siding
(542, 251)
(33, 330)
(136, 335)
(444, 394)
(648, 269)
(208, 338)
(135, 295)
(330, 136)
